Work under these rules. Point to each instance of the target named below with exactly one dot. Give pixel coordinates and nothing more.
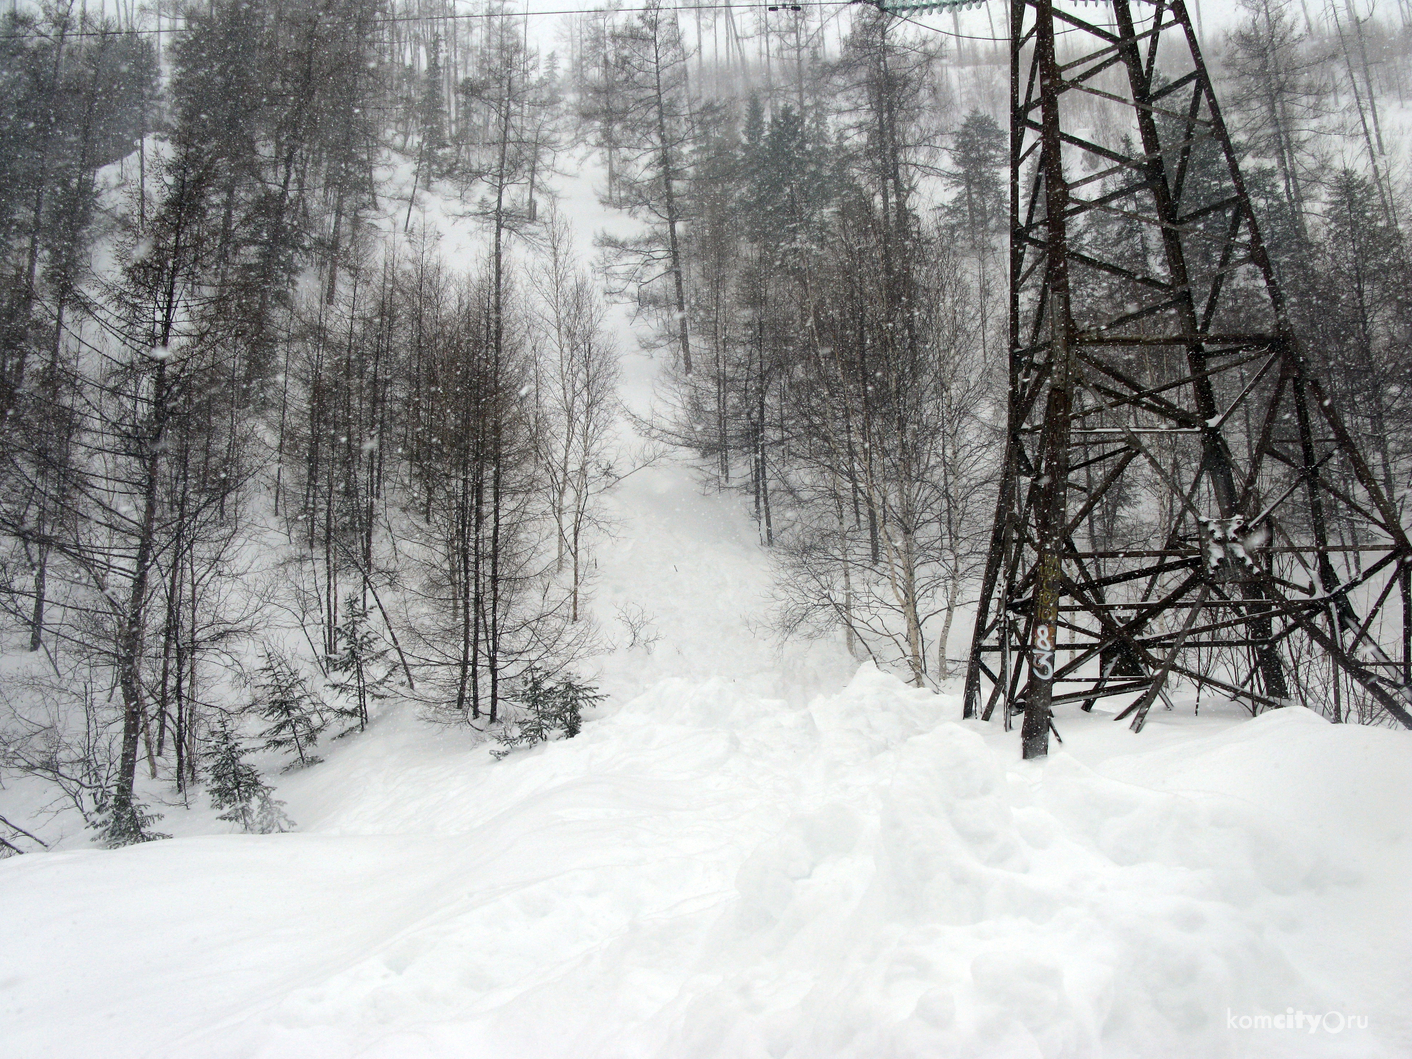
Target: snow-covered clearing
(751, 851)
(711, 871)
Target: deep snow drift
(707, 872)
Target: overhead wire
(381, 20)
(761, 5)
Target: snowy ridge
(705, 872)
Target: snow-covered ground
(712, 870)
(752, 851)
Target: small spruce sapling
(294, 712)
(358, 669)
(236, 786)
(127, 827)
(546, 705)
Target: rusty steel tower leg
(1181, 503)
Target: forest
(270, 454)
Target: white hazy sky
(986, 21)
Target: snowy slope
(752, 850)
(710, 872)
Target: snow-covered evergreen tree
(126, 823)
(546, 705)
(236, 786)
(295, 714)
(358, 669)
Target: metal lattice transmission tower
(1181, 503)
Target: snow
(709, 871)
(752, 850)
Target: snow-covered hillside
(752, 850)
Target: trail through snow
(751, 851)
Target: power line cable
(764, 5)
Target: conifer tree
(236, 786)
(547, 704)
(284, 699)
(358, 667)
(433, 113)
(978, 163)
(126, 822)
